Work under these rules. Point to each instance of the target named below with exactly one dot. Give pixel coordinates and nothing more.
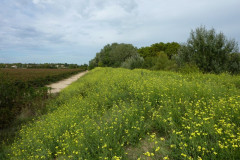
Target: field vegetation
(23, 95)
(137, 114)
(37, 77)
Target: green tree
(2, 65)
(145, 52)
(149, 62)
(234, 63)
(121, 52)
(93, 63)
(208, 50)
(169, 48)
(113, 55)
(151, 51)
(133, 62)
(162, 62)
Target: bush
(189, 68)
(161, 62)
(133, 62)
(21, 90)
(17, 96)
(149, 62)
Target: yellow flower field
(138, 114)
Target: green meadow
(118, 113)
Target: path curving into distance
(58, 86)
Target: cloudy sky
(72, 31)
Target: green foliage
(16, 96)
(113, 55)
(93, 63)
(23, 88)
(208, 50)
(7, 93)
(169, 48)
(159, 62)
(159, 56)
(133, 62)
(42, 66)
(149, 62)
(146, 52)
(162, 62)
(109, 112)
(189, 68)
(234, 63)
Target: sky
(73, 31)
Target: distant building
(60, 66)
(14, 66)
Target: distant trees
(210, 51)
(43, 66)
(159, 56)
(113, 55)
(169, 48)
(204, 51)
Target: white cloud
(42, 1)
(87, 25)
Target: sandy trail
(58, 86)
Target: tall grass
(123, 114)
(23, 96)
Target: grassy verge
(139, 114)
(23, 97)
(22, 90)
(27, 115)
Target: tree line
(43, 66)
(205, 51)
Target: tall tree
(208, 50)
(113, 55)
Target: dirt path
(58, 86)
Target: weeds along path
(115, 113)
(58, 86)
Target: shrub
(189, 68)
(133, 62)
(161, 62)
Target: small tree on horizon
(113, 55)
